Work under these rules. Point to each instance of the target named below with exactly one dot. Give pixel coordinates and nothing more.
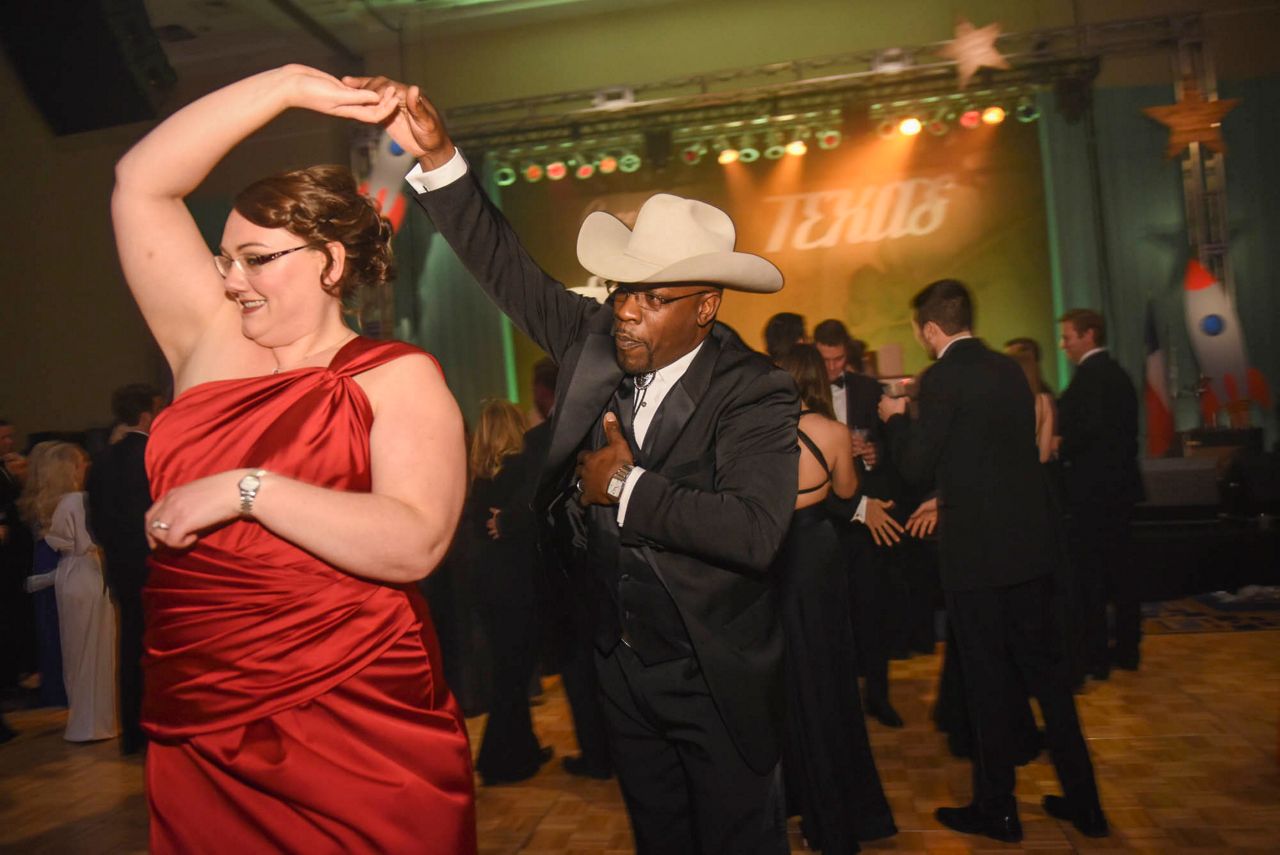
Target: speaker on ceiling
(87, 64)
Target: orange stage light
(727, 156)
(910, 126)
(993, 115)
(797, 147)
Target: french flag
(1159, 412)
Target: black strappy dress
(830, 774)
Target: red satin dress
(291, 706)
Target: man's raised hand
(415, 125)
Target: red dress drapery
(291, 706)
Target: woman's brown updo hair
(321, 204)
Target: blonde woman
(53, 504)
(503, 547)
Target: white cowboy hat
(674, 240)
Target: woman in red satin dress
(304, 478)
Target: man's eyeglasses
(647, 300)
(250, 264)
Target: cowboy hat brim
(602, 250)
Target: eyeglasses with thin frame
(647, 300)
(250, 264)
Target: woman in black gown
(831, 777)
(503, 549)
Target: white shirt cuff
(860, 515)
(627, 486)
(442, 176)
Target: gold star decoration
(972, 49)
(1193, 119)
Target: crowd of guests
(724, 539)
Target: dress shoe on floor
(1090, 822)
(545, 753)
(971, 819)
(580, 767)
(882, 711)
(1124, 661)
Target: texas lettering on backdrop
(856, 230)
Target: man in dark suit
(1098, 449)
(686, 451)
(975, 439)
(118, 497)
(873, 529)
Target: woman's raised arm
(165, 260)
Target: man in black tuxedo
(975, 439)
(118, 497)
(876, 604)
(1098, 450)
(686, 451)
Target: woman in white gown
(53, 500)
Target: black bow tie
(838, 382)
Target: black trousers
(875, 607)
(128, 600)
(1002, 634)
(686, 786)
(1099, 552)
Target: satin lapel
(679, 404)
(595, 377)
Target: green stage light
(629, 162)
(747, 151)
(774, 145)
(1026, 111)
(504, 176)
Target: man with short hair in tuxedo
(974, 438)
(119, 495)
(876, 604)
(686, 465)
(1098, 450)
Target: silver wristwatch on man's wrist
(249, 486)
(618, 481)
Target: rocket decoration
(973, 48)
(1218, 343)
(388, 165)
(1193, 119)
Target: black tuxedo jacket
(714, 504)
(118, 497)
(1098, 422)
(975, 437)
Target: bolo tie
(643, 382)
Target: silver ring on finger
(158, 524)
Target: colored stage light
(1026, 111)
(993, 115)
(608, 164)
(557, 169)
(584, 170)
(692, 153)
(629, 162)
(910, 126)
(773, 146)
(887, 128)
(797, 148)
(829, 139)
(533, 172)
(747, 151)
(727, 156)
(504, 176)
(970, 119)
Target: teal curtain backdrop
(1118, 234)
(439, 307)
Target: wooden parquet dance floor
(1185, 752)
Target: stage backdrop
(856, 230)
